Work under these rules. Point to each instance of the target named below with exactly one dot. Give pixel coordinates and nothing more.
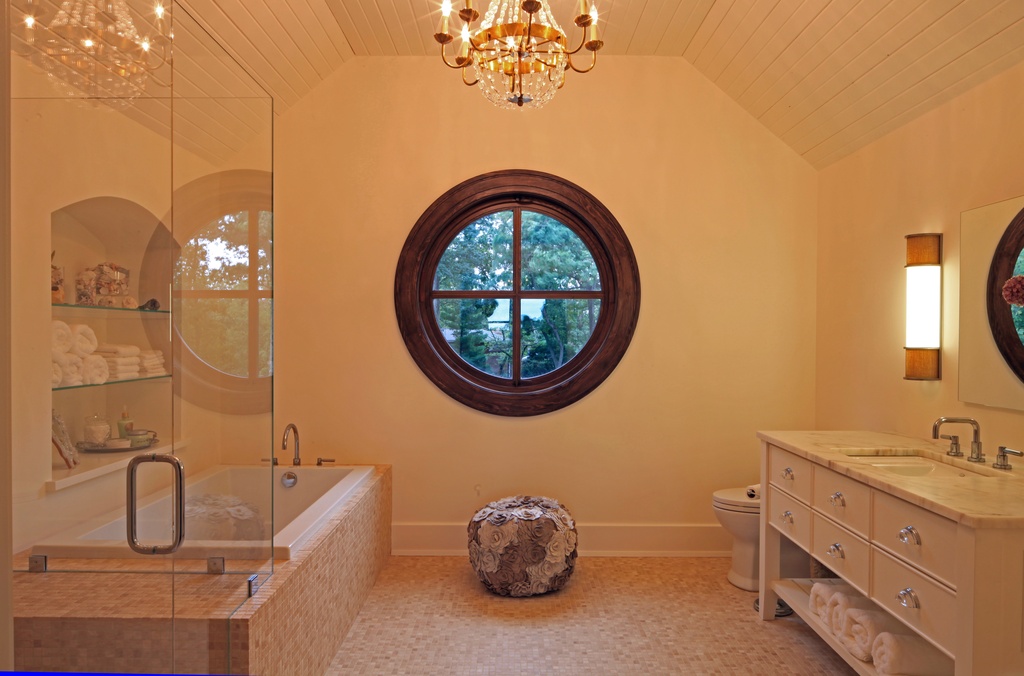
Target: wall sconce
(924, 307)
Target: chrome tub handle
(177, 504)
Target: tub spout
(284, 442)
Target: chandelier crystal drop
(518, 54)
(93, 47)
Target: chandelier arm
(583, 41)
(593, 62)
(445, 59)
(469, 84)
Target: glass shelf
(94, 308)
(111, 382)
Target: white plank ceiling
(826, 76)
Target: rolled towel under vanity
(862, 626)
(908, 654)
(839, 604)
(821, 592)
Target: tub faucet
(954, 448)
(284, 442)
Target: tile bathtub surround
(431, 615)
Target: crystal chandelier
(519, 54)
(93, 47)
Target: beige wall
(721, 216)
(6, 618)
(963, 155)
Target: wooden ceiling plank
(325, 19)
(317, 24)
(419, 33)
(620, 20)
(348, 26)
(785, 70)
(849, 140)
(391, 24)
(754, 53)
(919, 59)
(366, 18)
(299, 20)
(194, 81)
(651, 27)
(683, 26)
(428, 14)
(258, 18)
(877, 50)
(715, 16)
(261, 63)
(718, 57)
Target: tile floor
(430, 615)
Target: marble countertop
(976, 495)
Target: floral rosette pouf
(523, 545)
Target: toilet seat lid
(735, 499)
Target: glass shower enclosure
(142, 170)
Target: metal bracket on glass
(253, 584)
(37, 563)
(215, 565)
(177, 504)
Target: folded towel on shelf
(83, 340)
(60, 336)
(122, 376)
(148, 354)
(860, 628)
(122, 361)
(821, 592)
(115, 350)
(754, 491)
(908, 654)
(72, 369)
(842, 602)
(58, 375)
(153, 373)
(94, 370)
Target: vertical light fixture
(924, 307)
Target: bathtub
(228, 510)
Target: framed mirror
(1005, 295)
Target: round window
(517, 293)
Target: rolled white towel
(842, 602)
(908, 654)
(862, 626)
(60, 336)
(72, 368)
(94, 370)
(114, 350)
(821, 592)
(754, 491)
(83, 340)
(58, 375)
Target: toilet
(739, 515)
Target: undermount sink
(917, 466)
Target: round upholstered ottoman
(523, 545)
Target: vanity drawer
(899, 527)
(930, 607)
(844, 499)
(843, 552)
(790, 517)
(790, 472)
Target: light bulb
(30, 21)
(593, 13)
(446, 7)
(159, 11)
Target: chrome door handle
(788, 474)
(837, 499)
(908, 598)
(177, 504)
(787, 517)
(836, 551)
(909, 535)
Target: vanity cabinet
(953, 581)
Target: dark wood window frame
(1000, 319)
(517, 190)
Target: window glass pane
(479, 330)
(217, 257)
(555, 258)
(266, 240)
(266, 329)
(479, 258)
(217, 331)
(554, 331)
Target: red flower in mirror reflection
(1013, 290)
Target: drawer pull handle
(836, 551)
(837, 499)
(908, 598)
(787, 517)
(909, 535)
(788, 474)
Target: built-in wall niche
(985, 377)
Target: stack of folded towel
(122, 361)
(152, 363)
(872, 634)
(73, 361)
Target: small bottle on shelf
(126, 424)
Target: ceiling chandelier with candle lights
(518, 54)
(92, 48)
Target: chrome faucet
(954, 446)
(1001, 462)
(284, 442)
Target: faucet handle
(320, 461)
(954, 445)
(1001, 462)
(269, 460)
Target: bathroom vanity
(936, 541)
